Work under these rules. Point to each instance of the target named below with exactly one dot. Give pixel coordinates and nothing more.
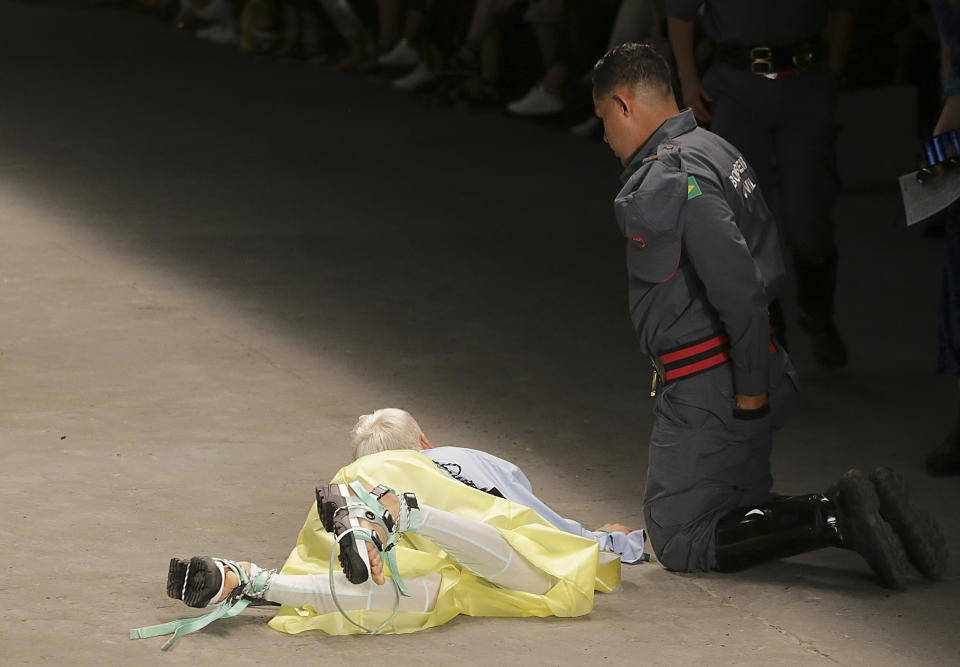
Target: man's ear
(622, 104)
(424, 443)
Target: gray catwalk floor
(211, 266)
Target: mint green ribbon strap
(389, 554)
(229, 608)
(186, 626)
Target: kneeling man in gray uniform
(703, 262)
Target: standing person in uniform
(945, 459)
(703, 262)
(772, 93)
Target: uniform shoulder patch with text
(693, 190)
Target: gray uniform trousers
(704, 462)
(786, 130)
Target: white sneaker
(219, 34)
(537, 102)
(421, 75)
(401, 55)
(586, 128)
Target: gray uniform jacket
(703, 256)
(759, 22)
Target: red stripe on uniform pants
(716, 341)
(709, 362)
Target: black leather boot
(816, 284)
(783, 527)
(848, 516)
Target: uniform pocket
(701, 401)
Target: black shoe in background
(829, 349)
(944, 460)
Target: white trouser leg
(476, 546)
(482, 550)
(298, 590)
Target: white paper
(922, 201)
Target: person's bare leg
(555, 79)
(412, 24)
(490, 52)
(291, 30)
(391, 13)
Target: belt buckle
(762, 60)
(802, 59)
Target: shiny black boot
(783, 527)
(848, 516)
(816, 284)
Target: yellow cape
(571, 560)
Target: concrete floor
(211, 266)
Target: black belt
(772, 59)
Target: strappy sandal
(341, 514)
(198, 582)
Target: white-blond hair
(385, 429)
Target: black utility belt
(693, 358)
(767, 60)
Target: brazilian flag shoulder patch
(693, 190)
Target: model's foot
(231, 580)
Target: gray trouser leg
(703, 462)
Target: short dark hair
(632, 64)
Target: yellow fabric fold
(571, 560)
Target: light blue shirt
(491, 474)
